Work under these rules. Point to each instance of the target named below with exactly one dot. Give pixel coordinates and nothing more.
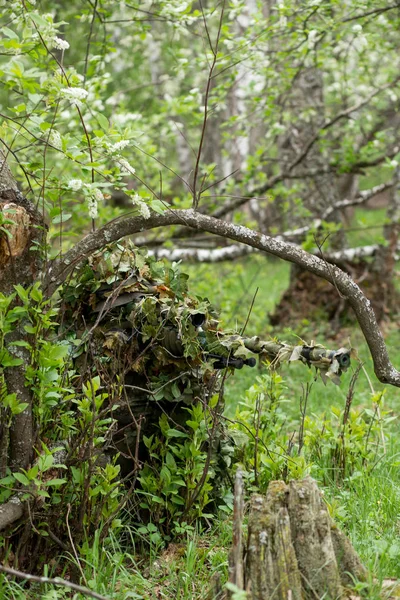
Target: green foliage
(273, 442)
(180, 474)
(82, 117)
(64, 436)
(81, 132)
(349, 441)
(260, 431)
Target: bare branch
(52, 581)
(196, 196)
(210, 255)
(376, 11)
(232, 252)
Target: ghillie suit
(157, 349)
(138, 401)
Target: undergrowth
(279, 425)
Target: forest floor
(365, 501)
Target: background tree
(192, 118)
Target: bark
(236, 575)
(20, 263)
(271, 569)
(294, 550)
(10, 512)
(321, 191)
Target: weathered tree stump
(294, 550)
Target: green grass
(365, 504)
(231, 287)
(366, 227)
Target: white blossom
(54, 139)
(75, 184)
(124, 118)
(60, 44)
(112, 100)
(75, 94)
(125, 166)
(394, 163)
(142, 207)
(97, 195)
(174, 8)
(144, 210)
(93, 197)
(360, 42)
(118, 146)
(312, 38)
(92, 207)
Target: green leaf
(55, 482)
(21, 478)
(9, 33)
(157, 206)
(171, 433)
(103, 121)
(36, 294)
(7, 360)
(61, 218)
(32, 473)
(38, 20)
(22, 293)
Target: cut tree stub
(294, 550)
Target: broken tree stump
(294, 550)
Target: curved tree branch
(119, 228)
(233, 251)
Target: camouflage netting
(156, 348)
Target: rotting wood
(294, 550)
(236, 557)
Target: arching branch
(119, 228)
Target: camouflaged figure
(155, 347)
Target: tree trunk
(294, 550)
(21, 239)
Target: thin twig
(206, 99)
(73, 545)
(250, 310)
(377, 409)
(52, 581)
(89, 40)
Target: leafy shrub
(275, 443)
(179, 480)
(260, 432)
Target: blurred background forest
(279, 116)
